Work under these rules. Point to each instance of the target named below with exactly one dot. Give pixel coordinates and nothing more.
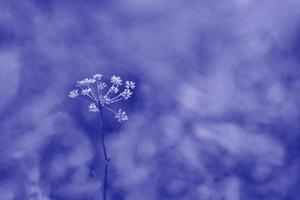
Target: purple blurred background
(215, 115)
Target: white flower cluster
(94, 89)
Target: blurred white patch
(9, 75)
(141, 4)
(82, 187)
(232, 188)
(35, 192)
(189, 97)
(276, 94)
(171, 128)
(190, 151)
(8, 191)
(204, 191)
(33, 173)
(208, 96)
(176, 186)
(242, 143)
(146, 148)
(242, 4)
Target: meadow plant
(100, 96)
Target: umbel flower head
(99, 95)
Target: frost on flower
(96, 91)
(121, 116)
(116, 80)
(73, 93)
(93, 107)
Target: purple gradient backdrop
(215, 115)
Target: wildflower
(121, 116)
(97, 76)
(81, 83)
(114, 89)
(93, 89)
(101, 100)
(86, 91)
(90, 80)
(73, 93)
(116, 80)
(130, 84)
(126, 94)
(86, 81)
(101, 85)
(93, 108)
(105, 100)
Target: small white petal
(97, 76)
(73, 93)
(102, 85)
(105, 100)
(121, 116)
(130, 84)
(114, 89)
(116, 80)
(93, 108)
(126, 94)
(86, 91)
